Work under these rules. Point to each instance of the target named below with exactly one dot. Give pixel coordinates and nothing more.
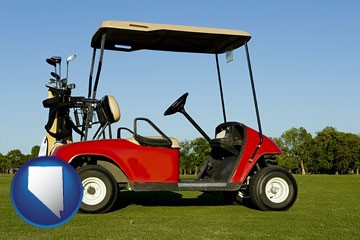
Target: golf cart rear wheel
(273, 188)
(99, 189)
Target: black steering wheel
(177, 106)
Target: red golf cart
(240, 164)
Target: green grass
(328, 207)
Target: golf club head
(70, 58)
(51, 62)
(51, 80)
(63, 82)
(56, 59)
(71, 86)
(55, 75)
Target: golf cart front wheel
(273, 188)
(99, 189)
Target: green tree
(16, 158)
(193, 155)
(185, 155)
(349, 154)
(295, 144)
(201, 149)
(35, 151)
(356, 164)
(328, 152)
(5, 164)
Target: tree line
(329, 152)
(15, 158)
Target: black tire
(100, 189)
(273, 188)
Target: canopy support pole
(90, 110)
(255, 103)
(100, 64)
(91, 72)
(220, 86)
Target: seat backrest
(111, 108)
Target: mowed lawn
(328, 207)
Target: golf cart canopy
(132, 36)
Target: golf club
(55, 75)
(69, 59)
(51, 62)
(57, 60)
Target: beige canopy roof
(131, 36)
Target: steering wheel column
(179, 106)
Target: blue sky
(305, 58)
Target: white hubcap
(277, 190)
(94, 191)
